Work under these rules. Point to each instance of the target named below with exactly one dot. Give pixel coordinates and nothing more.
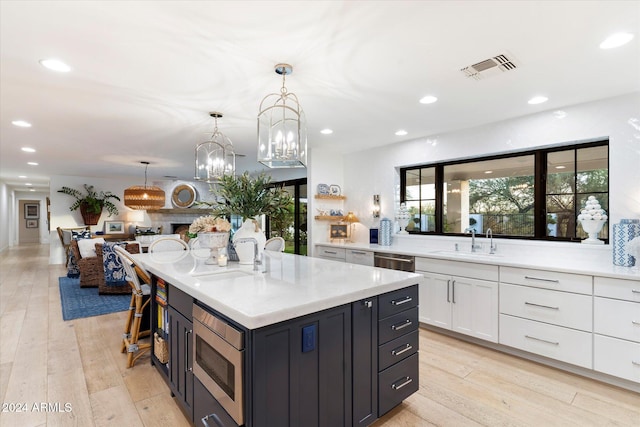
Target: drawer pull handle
(389, 258)
(331, 252)
(404, 301)
(635, 322)
(541, 279)
(397, 352)
(635, 363)
(405, 381)
(213, 417)
(635, 291)
(540, 339)
(448, 286)
(399, 326)
(358, 252)
(540, 305)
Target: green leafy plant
(93, 200)
(250, 197)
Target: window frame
(540, 182)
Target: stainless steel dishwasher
(394, 261)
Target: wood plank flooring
(45, 360)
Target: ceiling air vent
(488, 67)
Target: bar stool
(139, 301)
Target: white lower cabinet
(616, 327)
(356, 256)
(462, 304)
(547, 313)
(556, 342)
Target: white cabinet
(616, 327)
(357, 256)
(331, 252)
(547, 313)
(468, 305)
(354, 256)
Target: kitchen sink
(464, 254)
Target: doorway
(29, 214)
(292, 227)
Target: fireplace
(181, 229)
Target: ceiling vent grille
(496, 65)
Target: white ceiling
(145, 74)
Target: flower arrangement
(209, 224)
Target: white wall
(6, 217)
(375, 171)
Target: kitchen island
(316, 343)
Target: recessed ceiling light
(32, 163)
(28, 150)
(559, 114)
(22, 176)
(401, 132)
(616, 40)
(55, 65)
(429, 99)
(488, 172)
(560, 167)
(32, 189)
(326, 131)
(538, 100)
(28, 183)
(21, 123)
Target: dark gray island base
(342, 366)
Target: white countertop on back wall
(569, 257)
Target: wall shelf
(330, 197)
(329, 217)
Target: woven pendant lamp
(143, 198)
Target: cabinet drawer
(397, 350)
(555, 342)
(620, 319)
(329, 252)
(457, 268)
(397, 301)
(397, 325)
(567, 282)
(628, 290)
(181, 301)
(617, 357)
(355, 256)
(397, 383)
(558, 308)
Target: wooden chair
(65, 236)
(168, 244)
(139, 301)
(92, 268)
(275, 244)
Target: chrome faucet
(258, 258)
(489, 235)
(473, 238)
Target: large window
(535, 194)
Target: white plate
(323, 189)
(334, 190)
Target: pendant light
(282, 128)
(142, 198)
(215, 158)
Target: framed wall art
(31, 211)
(114, 227)
(32, 223)
(338, 231)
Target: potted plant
(92, 203)
(249, 198)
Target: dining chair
(274, 244)
(140, 293)
(164, 244)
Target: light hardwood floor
(44, 359)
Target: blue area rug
(80, 302)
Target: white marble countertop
(570, 258)
(293, 285)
